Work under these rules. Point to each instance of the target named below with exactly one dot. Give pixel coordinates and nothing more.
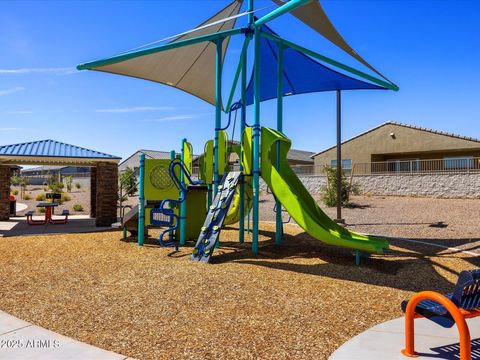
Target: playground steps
(130, 220)
(215, 217)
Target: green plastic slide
(296, 199)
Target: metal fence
(402, 167)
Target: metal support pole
(339, 158)
(241, 224)
(183, 204)
(141, 202)
(172, 157)
(256, 143)
(251, 15)
(278, 205)
(218, 112)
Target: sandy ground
(299, 301)
(78, 196)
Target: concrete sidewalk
(18, 226)
(384, 342)
(20, 340)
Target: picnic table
(48, 206)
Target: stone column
(93, 191)
(4, 192)
(107, 194)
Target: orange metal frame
(458, 314)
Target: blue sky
(429, 48)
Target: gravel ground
(300, 301)
(77, 196)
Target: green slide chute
(296, 199)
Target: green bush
(78, 207)
(78, 185)
(329, 192)
(15, 192)
(68, 182)
(40, 197)
(41, 210)
(15, 180)
(26, 197)
(56, 187)
(128, 182)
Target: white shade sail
(188, 68)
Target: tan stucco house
(392, 147)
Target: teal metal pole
(218, 112)
(141, 201)
(289, 6)
(241, 224)
(172, 157)
(183, 204)
(256, 142)
(250, 9)
(278, 215)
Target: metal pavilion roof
(51, 151)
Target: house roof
(438, 132)
(54, 151)
(300, 155)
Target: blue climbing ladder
(165, 215)
(216, 215)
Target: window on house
(346, 164)
(458, 163)
(404, 165)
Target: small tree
(329, 192)
(23, 182)
(15, 180)
(128, 182)
(68, 182)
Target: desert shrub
(65, 198)
(56, 187)
(78, 207)
(128, 181)
(26, 197)
(355, 189)
(15, 180)
(329, 192)
(78, 185)
(15, 192)
(40, 197)
(41, 210)
(68, 183)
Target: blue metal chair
(445, 310)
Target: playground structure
(280, 68)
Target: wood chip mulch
(299, 301)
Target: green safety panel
(206, 163)
(222, 152)
(196, 211)
(247, 151)
(187, 157)
(158, 183)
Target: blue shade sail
(301, 74)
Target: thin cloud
(135, 109)
(11, 91)
(174, 118)
(19, 112)
(5, 129)
(57, 70)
